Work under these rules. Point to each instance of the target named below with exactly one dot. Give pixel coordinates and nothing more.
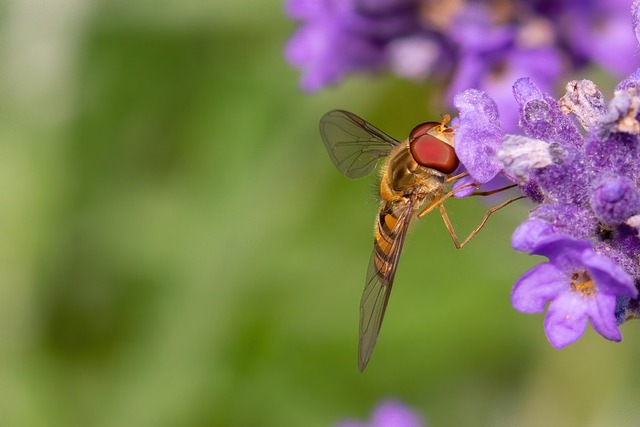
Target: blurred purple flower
(598, 31)
(389, 414)
(344, 36)
(581, 285)
(465, 44)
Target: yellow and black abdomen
(386, 235)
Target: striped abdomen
(388, 237)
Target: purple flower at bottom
(389, 413)
(581, 285)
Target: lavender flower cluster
(578, 159)
(468, 43)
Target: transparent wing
(353, 144)
(377, 288)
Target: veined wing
(391, 229)
(354, 144)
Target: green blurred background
(179, 250)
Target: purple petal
(566, 319)
(538, 285)
(525, 91)
(475, 101)
(541, 117)
(609, 277)
(395, 414)
(563, 251)
(467, 180)
(603, 318)
(529, 234)
(479, 134)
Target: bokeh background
(178, 250)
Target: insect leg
(447, 221)
(489, 193)
(431, 206)
(456, 177)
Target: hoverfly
(416, 172)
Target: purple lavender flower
(580, 284)
(389, 414)
(584, 181)
(578, 160)
(485, 45)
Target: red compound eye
(422, 129)
(433, 153)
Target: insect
(416, 172)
